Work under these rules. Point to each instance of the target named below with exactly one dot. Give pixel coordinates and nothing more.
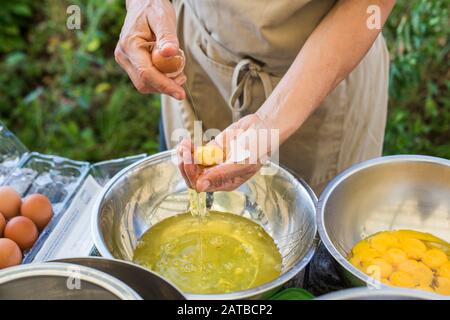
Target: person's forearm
(332, 51)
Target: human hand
(147, 22)
(242, 145)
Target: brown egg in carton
(21, 220)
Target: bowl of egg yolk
(386, 222)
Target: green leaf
(15, 58)
(33, 95)
(93, 45)
(23, 10)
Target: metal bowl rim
(60, 269)
(336, 181)
(115, 260)
(297, 267)
(366, 292)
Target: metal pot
(387, 193)
(146, 283)
(153, 189)
(61, 281)
(379, 294)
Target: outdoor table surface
(322, 275)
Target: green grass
(62, 93)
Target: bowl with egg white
(228, 252)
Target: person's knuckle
(142, 87)
(118, 54)
(144, 78)
(163, 87)
(145, 89)
(219, 180)
(125, 42)
(168, 36)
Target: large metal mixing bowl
(387, 193)
(146, 283)
(61, 281)
(153, 189)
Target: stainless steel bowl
(61, 281)
(153, 189)
(146, 283)
(379, 294)
(387, 193)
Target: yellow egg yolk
(434, 258)
(395, 256)
(383, 241)
(414, 248)
(402, 279)
(208, 155)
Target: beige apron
(237, 51)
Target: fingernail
(204, 185)
(177, 96)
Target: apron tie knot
(245, 74)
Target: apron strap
(241, 86)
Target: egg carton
(55, 177)
(72, 236)
(58, 178)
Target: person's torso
(269, 31)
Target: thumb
(167, 47)
(164, 26)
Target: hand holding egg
(136, 54)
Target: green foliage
(61, 91)
(419, 109)
(14, 22)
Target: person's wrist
(129, 4)
(255, 142)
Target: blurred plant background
(62, 93)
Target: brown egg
(2, 224)
(10, 254)
(22, 231)
(171, 66)
(10, 202)
(38, 208)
